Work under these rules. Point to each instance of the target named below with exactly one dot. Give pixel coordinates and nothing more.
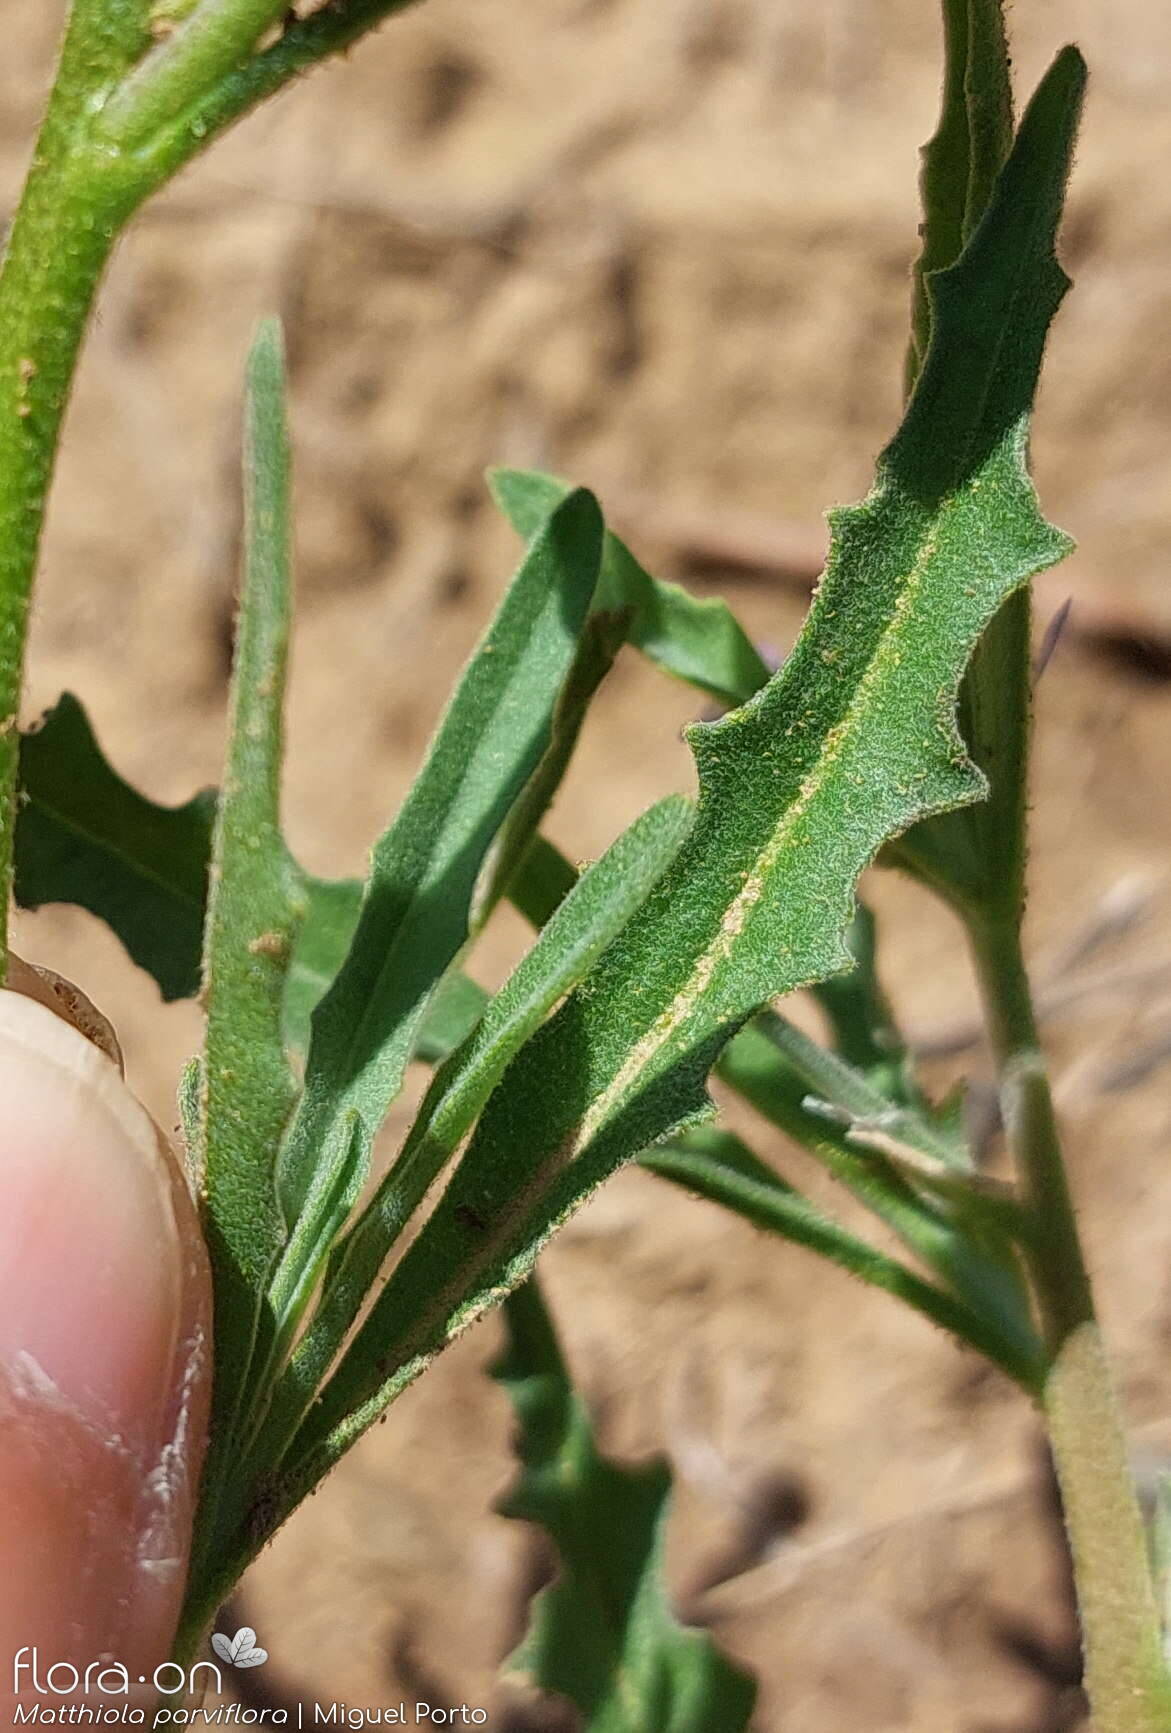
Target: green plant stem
(1125, 1675)
(61, 237)
(215, 40)
(122, 118)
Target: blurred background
(662, 247)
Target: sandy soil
(662, 247)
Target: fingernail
(104, 1341)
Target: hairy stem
(60, 240)
(122, 118)
(1125, 1674)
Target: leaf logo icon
(240, 1650)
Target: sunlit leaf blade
(416, 911)
(338, 1179)
(601, 639)
(850, 743)
(606, 896)
(698, 640)
(604, 1633)
(84, 836)
(975, 857)
(717, 1166)
(252, 908)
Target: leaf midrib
(748, 898)
(133, 864)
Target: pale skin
(105, 1320)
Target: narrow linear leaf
(604, 1634)
(718, 1166)
(966, 1238)
(543, 879)
(697, 640)
(416, 911)
(84, 836)
(602, 637)
(850, 743)
(606, 896)
(247, 1087)
(337, 1184)
(779, 1057)
(453, 1013)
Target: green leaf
(975, 858)
(719, 1167)
(699, 641)
(851, 742)
(604, 1634)
(253, 908)
(416, 911)
(605, 897)
(324, 934)
(862, 1024)
(601, 639)
(965, 155)
(454, 1011)
(84, 836)
(907, 1169)
(543, 879)
(337, 1183)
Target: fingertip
(104, 1352)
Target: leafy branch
(126, 112)
(853, 740)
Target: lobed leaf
(604, 1633)
(975, 857)
(853, 741)
(85, 836)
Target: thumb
(104, 1358)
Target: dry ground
(661, 246)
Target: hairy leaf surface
(849, 744)
(416, 911)
(697, 639)
(606, 896)
(247, 1088)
